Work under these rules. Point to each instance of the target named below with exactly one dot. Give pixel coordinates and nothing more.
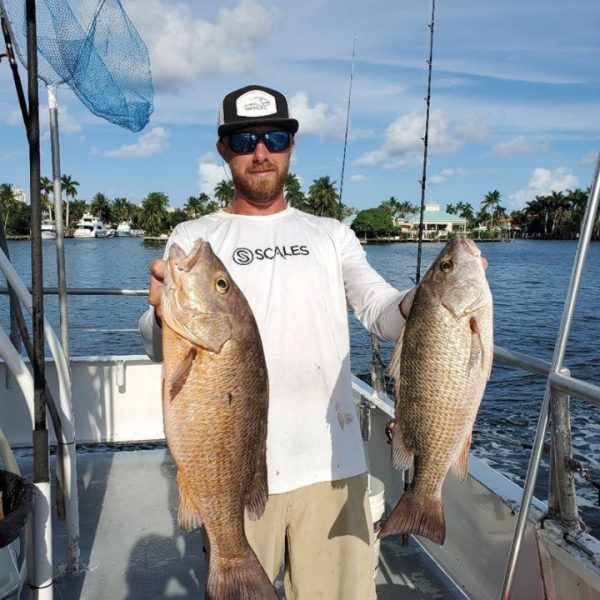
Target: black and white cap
(254, 105)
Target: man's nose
(260, 152)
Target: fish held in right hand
(440, 366)
(215, 403)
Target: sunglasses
(245, 142)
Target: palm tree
(46, 188)
(491, 200)
(100, 206)
(224, 192)
(70, 189)
(293, 193)
(324, 198)
(122, 210)
(7, 202)
(153, 216)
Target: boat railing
(41, 573)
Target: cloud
(591, 158)
(148, 144)
(359, 178)
(402, 146)
(516, 147)
(320, 118)
(211, 171)
(444, 175)
(183, 48)
(542, 183)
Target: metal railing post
(562, 502)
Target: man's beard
(260, 189)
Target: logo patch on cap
(256, 103)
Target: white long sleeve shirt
(299, 273)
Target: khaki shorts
(322, 534)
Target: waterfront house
(437, 223)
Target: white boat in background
(123, 229)
(90, 226)
(48, 229)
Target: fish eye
(222, 285)
(446, 266)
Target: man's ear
(221, 149)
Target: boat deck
(132, 548)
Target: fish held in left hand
(215, 402)
(440, 366)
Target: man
(299, 273)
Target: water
(528, 279)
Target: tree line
(554, 216)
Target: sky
(515, 99)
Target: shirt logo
(245, 256)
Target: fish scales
(440, 368)
(215, 402)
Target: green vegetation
(556, 216)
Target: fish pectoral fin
(460, 467)
(180, 375)
(187, 515)
(476, 354)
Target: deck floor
(132, 548)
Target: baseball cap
(254, 105)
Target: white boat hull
(117, 399)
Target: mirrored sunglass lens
(276, 141)
(243, 142)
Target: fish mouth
(470, 246)
(187, 262)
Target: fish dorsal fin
(181, 373)
(207, 330)
(461, 465)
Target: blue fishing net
(94, 48)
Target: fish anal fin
(180, 375)
(460, 467)
(257, 496)
(402, 456)
(187, 515)
(417, 515)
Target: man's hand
(157, 276)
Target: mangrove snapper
(440, 367)
(215, 401)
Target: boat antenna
(423, 179)
(347, 120)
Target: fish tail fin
(238, 580)
(419, 516)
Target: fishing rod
(423, 179)
(347, 120)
